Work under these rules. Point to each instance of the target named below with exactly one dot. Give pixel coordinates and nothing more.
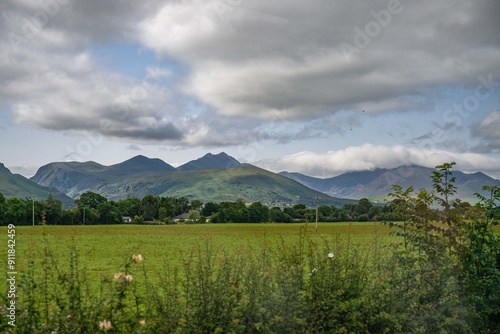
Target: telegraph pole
(33, 209)
(316, 213)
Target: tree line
(92, 208)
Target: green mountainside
(246, 181)
(15, 185)
(74, 178)
(206, 179)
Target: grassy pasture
(103, 248)
(236, 278)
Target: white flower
(142, 322)
(137, 258)
(105, 325)
(331, 255)
(313, 271)
(118, 276)
(129, 278)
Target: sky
(318, 87)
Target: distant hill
(246, 181)
(376, 184)
(211, 178)
(15, 185)
(74, 178)
(210, 161)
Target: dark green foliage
(481, 262)
(452, 255)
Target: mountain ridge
(376, 184)
(217, 178)
(15, 185)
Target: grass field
(102, 248)
(241, 278)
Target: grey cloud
(162, 133)
(84, 21)
(242, 66)
(133, 147)
(260, 70)
(488, 132)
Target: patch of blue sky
(131, 60)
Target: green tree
(90, 199)
(196, 204)
(163, 214)
(443, 183)
(2, 207)
(481, 262)
(297, 211)
(150, 205)
(53, 209)
(258, 213)
(130, 206)
(109, 213)
(325, 213)
(168, 205)
(194, 215)
(16, 211)
(363, 207)
(489, 202)
(209, 209)
(404, 206)
(278, 216)
(181, 205)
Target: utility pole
(84, 215)
(33, 209)
(316, 213)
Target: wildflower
(137, 258)
(142, 322)
(331, 255)
(105, 325)
(129, 278)
(313, 271)
(118, 276)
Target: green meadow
(102, 248)
(252, 278)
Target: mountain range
(212, 177)
(376, 184)
(220, 177)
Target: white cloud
(369, 157)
